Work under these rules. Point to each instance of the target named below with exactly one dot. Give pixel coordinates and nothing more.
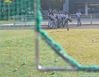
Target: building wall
(53, 4)
(74, 5)
(93, 6)
(86, 1)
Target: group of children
(58, 20)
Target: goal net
(26, 49)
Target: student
(55, 20)
(59, 19)
(66, 20)
(49, 17)
(52, 20)
(63, 19)
(78, 15)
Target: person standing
(59, 16)
(52, 20)
(49, 17)
(78, 16)
(67, 20)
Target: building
(52, 4)
(86, 6)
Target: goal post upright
(36, 34)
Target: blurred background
(88, 8)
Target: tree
(8, 1)
(15, 7)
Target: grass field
(17, 47)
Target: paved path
(44, 24)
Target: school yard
(17, 51)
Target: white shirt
(59, 16)
(62, 15)
(66, 16)
(53, 16)
(78, 14)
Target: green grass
(82, 45)
(18, 46)
(6, 21)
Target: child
(59, 19)
(52, 20)
(66, 20)
(78, 15)
(49, 16)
